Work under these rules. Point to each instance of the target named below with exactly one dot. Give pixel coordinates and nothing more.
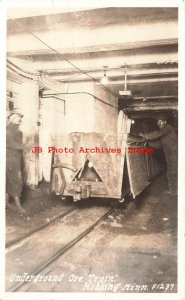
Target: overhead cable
(62, 56)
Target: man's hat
(161, 117)
(15, 113)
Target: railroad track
(52, 221)
(63, 249)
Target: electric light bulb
(104, 79)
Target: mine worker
(14, 149)
(167, 137)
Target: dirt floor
(133, 251)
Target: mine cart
(97, 165)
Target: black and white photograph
(91, 198)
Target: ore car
(100, 165)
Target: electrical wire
(60, 55)
(29, 73)
(47, 96)
(57, 98)
(74, 93)
(12, 69)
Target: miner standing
(14, 156)
(168, 139)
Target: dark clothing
(13, 137)
(14, 147)
(168, 139)
(167, 136)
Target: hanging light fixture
(104, 79)
(126, 92)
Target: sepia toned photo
(92, 151)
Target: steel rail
(63, 250)
(15, 241)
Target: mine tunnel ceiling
(145, 39)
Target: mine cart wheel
(121, 200)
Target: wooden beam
(159, 98)
(116, 73)
(157, 107)
(119, 79)
(55, 64)
(161, 103)
(97, 48)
